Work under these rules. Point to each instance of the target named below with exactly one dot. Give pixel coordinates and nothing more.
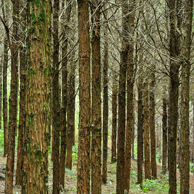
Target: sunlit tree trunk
(83, 168)
(36, 132)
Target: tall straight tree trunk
(105, 111)
(164, 127)
(114, 118)
(22, 94)
(185, 151)
(152, 123)
(96, 99)
(12, 103)
(83, 173)
(71, 114)
(174, 83)
(56, 103)
(140, 130)
(121, 98)
(130, 83)
(146, 131)
(5, 11)
(36, 132)
(65, 19)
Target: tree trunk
(146, 131)
(65, 19)
(114, 118)
(122, 86)
(83, 172)
(185, 152)
(105, 111)
(164, 127)
(96, 100)
(174, 83)
(12, 103)
(22, 95)
(56, 103)
(152, 123)
(140, 130)
(36, 132)
(130, 82)
(5, 11)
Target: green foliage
(191, 167)
(75, 153)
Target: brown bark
(174, 83)
(56, 103)
(96, 100)
(185, 152)
(140, 131)
(114, 118)
(65, 19)
(146, 131)
(152, 123)
(193, 137)
(36, 133)
(12, 103)
(5, 11)
(164, 128)
(83, 172)
(130, 83)
(105, 113)
(22, 96)
(121, 99)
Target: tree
(186, 65)
(105, 105)
(5, 11)
(96, 99)
(164, 128)
(175, 18)
(121, 99)
(12, 101)
(56, 103)
(36, 132)
(83, 168)
(114, 117)
(152, 122)
(22, 94)
(130, 85)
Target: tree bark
(146, 131)
(12, 103)
(56, 103)
(185, 151)
(114, 118)
(83, 173)
(164, 127)
(175, 18)
(105, 111)
(5, 11)
(96, 99)
(36, 131)
(22, 95)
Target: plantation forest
(96, 96)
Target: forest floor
(150, 186)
